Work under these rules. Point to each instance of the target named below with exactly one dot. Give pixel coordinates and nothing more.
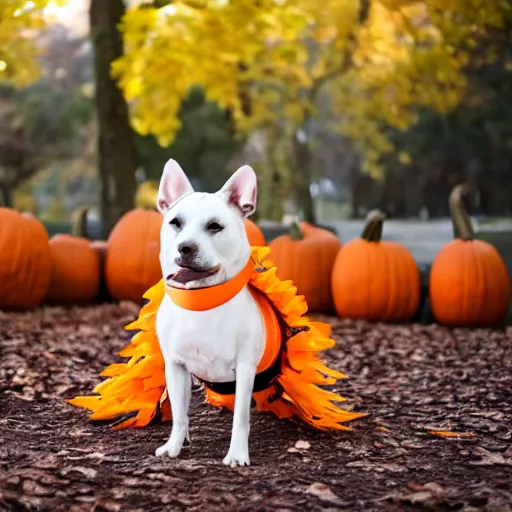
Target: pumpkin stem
(461, 222)
(372, 231)
(79, 222)
(296, 232)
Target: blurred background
(341, 106)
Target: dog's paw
(179, 434)
(238, 458)
(171, 448)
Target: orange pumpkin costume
(288, 374)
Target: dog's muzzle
(188, 273)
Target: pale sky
(73, 15)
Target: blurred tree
(260, 76)
(473, 142)
(204, 144)
(117, 156)
(381, 64)
(38, 127)
(49, 120)
(379, 60)
(116, 149)
(16, 164)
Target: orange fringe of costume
(288, 377)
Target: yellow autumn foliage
(275, 55)
(20, 21)
(267, 61)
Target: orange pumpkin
(75, 271)
(306, 257)
(376, 280)
(132, 263)
(25, 264)
(254, 233)
(469, 283)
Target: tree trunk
(6, 193)
(301, 179)
(117, 158)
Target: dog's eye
(175, 222)
(214, 227)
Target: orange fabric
(135, 391)
(214, 296)
(272, 331)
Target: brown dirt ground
(410, 379)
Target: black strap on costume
(261, 381)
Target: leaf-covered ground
(412, 380)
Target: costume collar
(202, 299)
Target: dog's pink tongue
(185, 275)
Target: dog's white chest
(208, 343)
(208, 352)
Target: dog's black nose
(187, 249)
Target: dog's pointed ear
(241, 190)
(173, 184)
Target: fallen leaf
(434, 488)
(302, 445)
(131, 482)
(80, 433)
(110, 506)
(446, 433)
(394, 468)
(34, 489)
(299, 446)
(415, 445)
(430, 495)
(88, 472)
(488, 458)
(86, 499)
(48, 462)
(163, 477)
(322, 492)
(418, 497)
(190, 466)
(93, 455)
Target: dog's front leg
(178, 388)
(238, 453)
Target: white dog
(203, 243)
